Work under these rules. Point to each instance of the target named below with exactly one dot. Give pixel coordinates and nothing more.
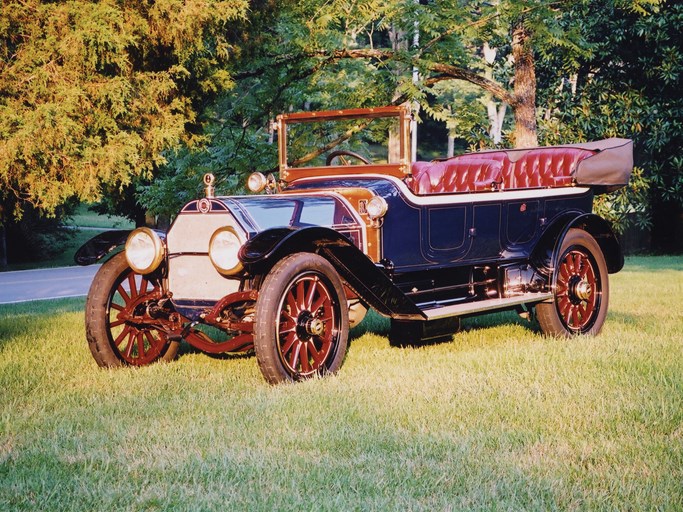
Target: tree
(629, 86)
(354, 53)
(92, 93)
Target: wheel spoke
(322, 301)
(300, 295)
(130, 345)
(143, 286)
(156, 343)
(318, 356)
(564, 271)
(124, 295)
(583, 311)
(288, 324)
(132, 285)
(313, 288)
(564, 304)
(303, 358)
(580, 261)
(122, 334)
(141, 344)
(575, 317)
(294, 356)
(290, 339)
(293, 306)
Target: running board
(485, 305)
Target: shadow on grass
(186, 349)
(627, 319)
(380, 326)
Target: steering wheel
(342, 153)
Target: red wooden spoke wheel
(581, 290)
(301, 321)
(119, 326)
(578, 290)
(307, 325)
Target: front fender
(99, 246)
(368, 280)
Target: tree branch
(446, 71)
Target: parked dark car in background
(352, 223)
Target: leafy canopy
(92, 93)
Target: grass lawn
(501, 418)
(83, 216)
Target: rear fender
(546, 253)
(365, 278)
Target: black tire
(580, 291)
(301, 324)
(115, 341)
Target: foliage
(101, 100)
(277, 70)
(628, 205)
(628, 87)
(37, 238)
(92, 93)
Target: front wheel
(118, 325)
(581, 291)
(301, 324)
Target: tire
(580, 291)
(117, 291)
(301, 324)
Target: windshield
(370, 140)
(317, 144)
(269, 212)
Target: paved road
(49, 283)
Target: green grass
(501, 418)
(85, 217)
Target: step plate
(485, 305)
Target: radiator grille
(191, 275)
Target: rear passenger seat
(494, 170)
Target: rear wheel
(118, 326)
(581, 291)
(301, 322)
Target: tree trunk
(3, 247)
(524, 89)
(398, 43)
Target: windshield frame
(400, 169)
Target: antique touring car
(352, 223)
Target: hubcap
(583, 290)
(315, 327)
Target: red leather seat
(456, 176)
(466, 173)
(492, 170)
(545, 167)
